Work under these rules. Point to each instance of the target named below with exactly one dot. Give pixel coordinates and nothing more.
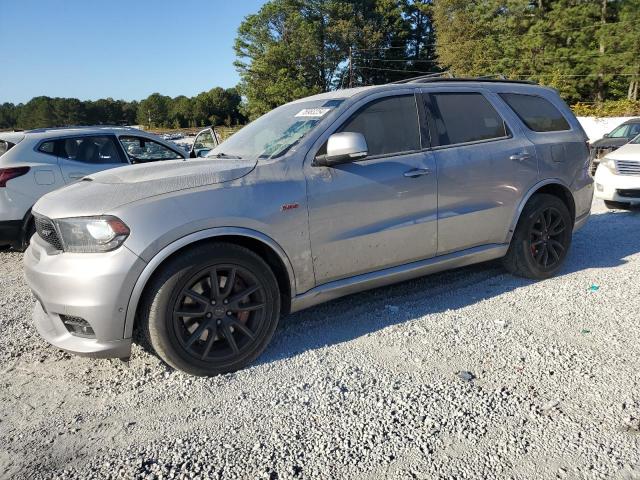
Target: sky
(124, 49)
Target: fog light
(599, 187)
(78, 326)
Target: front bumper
(609, 186)
(95, 287)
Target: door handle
(416, 172)
(520, 157)
(77, 176)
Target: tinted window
(47, 147)
(390, 125)
(144, 150)
(463, 117)
(5, 146)
(100, 150)
(537, 113)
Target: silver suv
(320, 198)
(35, 162)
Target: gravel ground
(467, 374)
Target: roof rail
(435, 76)
(448, 77)
(77, 127)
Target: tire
(211, 337)
(29, 232)
(526, 254)
(611, 205)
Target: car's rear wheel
(542, 238)
(611, 205)
(212, 309)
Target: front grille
(629, 193)
(47, 231)
(628, 167)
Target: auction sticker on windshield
(313, 112)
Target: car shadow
(604, 242)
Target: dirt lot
(364, 387)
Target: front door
(380, 211)
(204, 142)
(485, 167)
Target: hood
(630, 151)
(610, 142)
(101, 192)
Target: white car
(35, 162)
(618, 177)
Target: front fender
(173, 247)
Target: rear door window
(390, 125)
(48, 147)
(92, 150)
(462, 118)
(537, 113)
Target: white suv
(36, 162)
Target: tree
(587, 49)
(294, 48)
(153, 111)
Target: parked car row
(320, 198)
(613, 140)
(35, 162)
(617, 176)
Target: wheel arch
(255, 241)
(553, 186)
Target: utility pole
(350, 67)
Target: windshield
(619, 132)
(273, 134)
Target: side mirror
(606, 135)
(343, 147)
(202, 152)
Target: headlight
(91, 234)
(609, 164)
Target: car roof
(419, 82)
(41, 133)
(631, 120)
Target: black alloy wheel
(219, 312)
(212, 309)
(546, 238)
(542, 238)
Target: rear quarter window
(537, 113)
(5, 146)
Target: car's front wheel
(212, 309)
(542, 238)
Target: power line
(533, 57)
(525, 75)
(595, 25)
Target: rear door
(83, 155)
(485, 165)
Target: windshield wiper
(224, 155)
